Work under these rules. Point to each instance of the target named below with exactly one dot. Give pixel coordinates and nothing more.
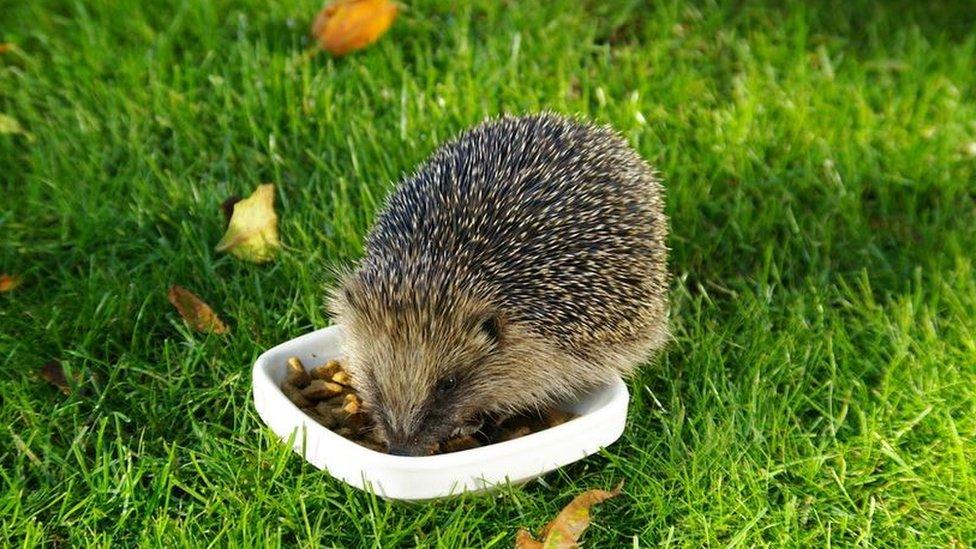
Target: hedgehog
(523, 263)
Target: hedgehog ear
(491, 325)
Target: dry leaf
(195, 312)
(565, 530)
(345, 26)
(8, 282)
(253, 230)
(52, 373)
(5, 47)
(524, 540)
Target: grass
(821, 385)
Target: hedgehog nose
(405, 450)
(399, 450)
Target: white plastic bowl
(602, 415)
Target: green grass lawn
(821, 173)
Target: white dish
(602, 415)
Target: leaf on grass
(5, 47)
(10, 125)
(252, 234)
(345, 26)
(565, 530)
(197, 314)
(53, 373)
(524, 540)
(8, 282)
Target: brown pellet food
(326, 371)
(326, 395)
(297, 376)
(320, 389)
(456, 444)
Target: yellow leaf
(9, 124)
(8, 282)
(253, 230)
(197, 314)
(345, 26)
(565, 530)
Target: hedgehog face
(423, 389)
(424, 373)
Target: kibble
(297, 376)
(326, 395)
(320, 389)
(294, 394)
(457, 444)
(327, 371)
(341, 378)
(351, 407)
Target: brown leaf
(565, 530)
(253, 230)
(197, 314)
(52, 373)
(345, 26)
(5, 47)
(8, 282)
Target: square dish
(601, 413)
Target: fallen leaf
(524, 540)
(5, 47)
(564, 531)
(253, 230)
(345, 26)
(52, 373)
(8, 282)
(195, 312)
(9, 124)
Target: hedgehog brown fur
(524, 262)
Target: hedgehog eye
(446, 385)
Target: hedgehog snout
(400, 445)
(408, 450)
(427, 437)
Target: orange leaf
(524, 540)
(565, 530)
(197, 314)
(8, 282)
(52, 373)
(5, 47)
(345, 26)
